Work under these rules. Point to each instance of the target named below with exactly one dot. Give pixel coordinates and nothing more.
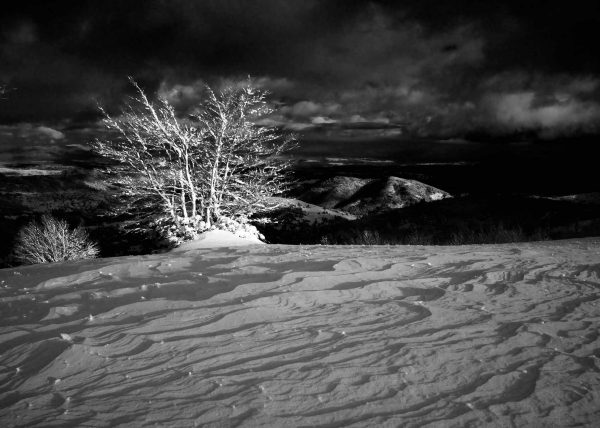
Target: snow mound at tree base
(218, 238)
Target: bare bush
(51, 240)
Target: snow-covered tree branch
(214, 163)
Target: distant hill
(361, 196)
(311, 213)
(592, 198)
(323, 207)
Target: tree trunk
(193, 195)
(183, 198)
(174, 211)
(212, 199)
(208, 219)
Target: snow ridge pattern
(499, 335)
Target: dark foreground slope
(502, 335)
(451, 221)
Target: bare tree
(240, 161)
(214, 163)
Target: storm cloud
(429, 68)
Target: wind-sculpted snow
(503, 335)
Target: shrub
(51, 240)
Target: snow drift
(503, 335)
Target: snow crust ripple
(268, 335)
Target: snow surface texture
(503, 335)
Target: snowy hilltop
(271, 335)
(360, 196)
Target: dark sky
(441, 68)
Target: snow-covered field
(267, 335)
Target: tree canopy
(212, 163)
